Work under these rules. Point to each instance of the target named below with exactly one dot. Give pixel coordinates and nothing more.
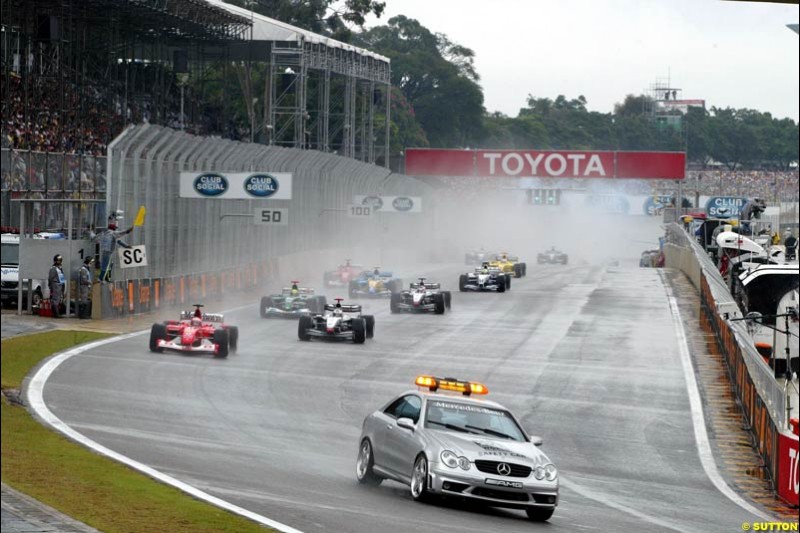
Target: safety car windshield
(470, 418)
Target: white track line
(698, 419)
(35, 395)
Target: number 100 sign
(272, 216)
(359, 211)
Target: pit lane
(586, 356)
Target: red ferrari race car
(342, 275)
(196, 331)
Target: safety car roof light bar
(466, 388)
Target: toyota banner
(545, 164)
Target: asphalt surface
(586, 355)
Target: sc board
(135, 256)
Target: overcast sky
(732, 54)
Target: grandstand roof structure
(268, 29)
(180, 19)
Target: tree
(633, 106)
(436, 76)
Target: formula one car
(485, 278)
(476, 257)
(342, 275)
(421, 296)
(195, 332)
(292, 302)
(338, 322)
(442, 441)
(552, 257)
(509, 264)
(374, 284)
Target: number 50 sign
(272, 216)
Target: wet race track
(587, 356)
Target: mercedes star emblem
(503, 469)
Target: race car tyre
(359, 330)
(501, 287)
(264, 306)
(438, 304)
(539, 515)
(370, 322)
(157, 332)
(353, 290)
(222, 339)
(364, 472)
(566, 259)
(419, 480)
(322, 301)
(312, 305)
(394, 303)
(305, 323)
(462, 282)
(447, 298)
(539, 260)
(233, 335)
(524, 269)
(508, 282)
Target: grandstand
(76, 73)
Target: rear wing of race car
(432, 286)
(345, 308)
(286, 291)
(491, 269)
(213, 317)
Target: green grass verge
(89, 487)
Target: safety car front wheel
(419, 480)
(364, 464)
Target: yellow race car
(509, 264)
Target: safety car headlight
(450, 459)
(550, 472)
(538, 472)
(454, 461)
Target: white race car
(485, 278)
(421, 297)
(338, 322)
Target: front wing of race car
(490, 285)
(405, 306)
(285, 313)
(341, 334)
(202, 346)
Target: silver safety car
(457, 446)
(485, 278)
(421, 296)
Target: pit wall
(762, 399)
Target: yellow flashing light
(450, 384)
